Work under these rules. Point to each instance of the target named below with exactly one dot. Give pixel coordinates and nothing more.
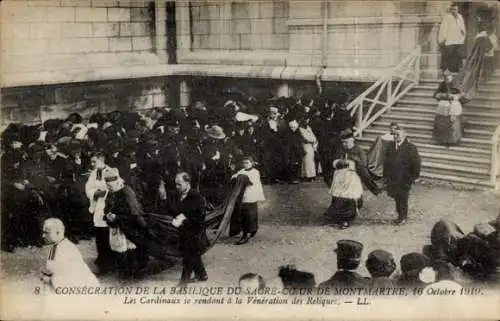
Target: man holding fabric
(190, 221)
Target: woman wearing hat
(217, 154)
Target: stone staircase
(469, 162)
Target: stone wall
(60, 41)
(239, 25)
(362, 39)
(34, 104)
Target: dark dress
(292, 153)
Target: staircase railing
(495, 158)
(385, 92)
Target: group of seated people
(45, 166)
(452, 260)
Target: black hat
(29, 134)
(349, 250)
(413, 263)
(295, 279)
(129, 120)
(52, 125)
(74, 118)
(380, 263)
(97, 118)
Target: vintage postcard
(249, 160)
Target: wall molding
(375, 20)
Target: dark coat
(342, 120)
(345, 279)
(401, 167)
(291, 144)
(126, 207)
(193, 237)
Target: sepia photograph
(249, 160)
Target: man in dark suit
(190, 221)
(401, 169)
(348, 260)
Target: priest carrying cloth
(350, 170)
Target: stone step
(489, 114)
(431, 88)
(423, 135)
(443, 170)
(480, 184)
(434, 82)
(421, 122)
(483, 99)
(459, 151)
(458, 171)
(432, 102)
(474, 121)
(431, 110)
(426, 129)
(483, 164)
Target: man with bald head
(401, 169)
(64, 265)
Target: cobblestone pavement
(291, 231)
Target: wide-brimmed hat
(215, 132)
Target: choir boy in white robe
(246, 216)
(97, 191)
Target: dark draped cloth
(467, 79)
(155, 233)
(376, 158)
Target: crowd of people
(453, 260)
(45, 167)
(88, 172)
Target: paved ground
(292, 232)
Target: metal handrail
(495, 158)
(385, 84)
